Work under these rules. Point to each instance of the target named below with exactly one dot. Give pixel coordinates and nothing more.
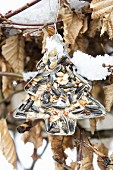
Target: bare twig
(108, 133)
(12, 13)
(79, 155)
(100, 133)
(30, 25)
(47, 142)
(11, 74)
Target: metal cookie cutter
(59, 95)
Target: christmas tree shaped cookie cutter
(58, 94)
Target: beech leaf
(58, 145)
(102, 148)
(92, 125)
(72, 26)
(87, 162)
(13, 52)
(103, 9)
(34, 136)
(108, 91)
(6, 143)
(7, 87)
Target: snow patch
(91, 67)
(72, 155)
(54, 44)
(4, 164)
(77, 4)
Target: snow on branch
(92, 67)
(87, 66)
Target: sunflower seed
(92, 107)
(46, 105)
(42, 81)
(69, 72)
(46, 98)
(28, 105)
(78, 111)
(70, 97)
(34, 108)
(55, 91)
(59, 106)
(71, 125)
(81, 88)
(54, 130)
(79, 95)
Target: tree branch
(10, 14)
(101, 134)
(11, 74)
(32, 25)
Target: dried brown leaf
(104, 10)
(85, 25)
(73, 165)
(50, 30)
(57, 148)
(93, 122)
(101, 8)
(87, 162)
(108, 91)
(110, 25)
(107, 25)
(6, 143)
(7, 87)
(75, 24)
(102, 148)
(72, 26)
(13, 52)
(34, 136)
(58, 145)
